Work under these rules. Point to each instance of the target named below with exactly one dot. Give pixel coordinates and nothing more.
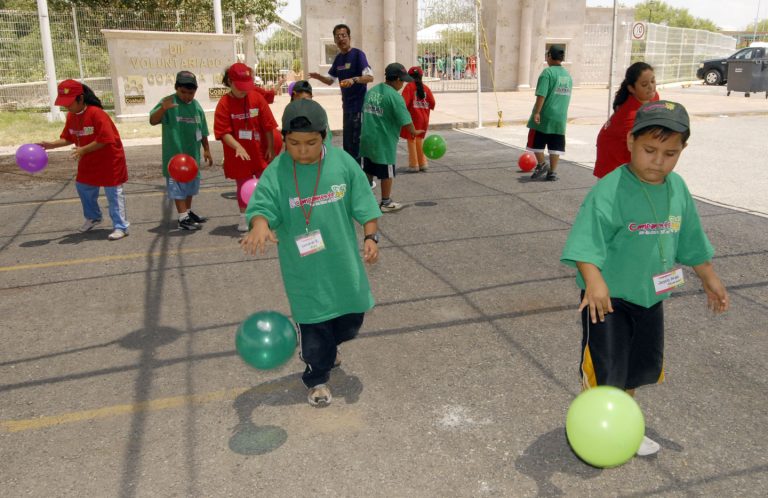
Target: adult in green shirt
(308, 199)
(184, 131)
(549, 115)
(384, 115)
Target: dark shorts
(626, 350)
(380, 171)
(538, 141)
(318, 343)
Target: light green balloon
(434, 146)
(605, 426)
(266, 340)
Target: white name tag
(310, 243)
(665, 282)
(245, 134)
(198, 134)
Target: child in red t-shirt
(419, 101)
(245, 124)
(99, 154)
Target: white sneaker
(243, 225)
(373, 184)
(391, 207)
(648, 447)
(117, 234)
(319, 395)
(88, 224)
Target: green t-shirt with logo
(331, 282)
(184, 127)
(555, 85)
(617, 231)
(384, 113)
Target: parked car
(715, 71)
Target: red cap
(68, 92)
(241, 76)
(415, 70)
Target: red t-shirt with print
(247, 120)
(104, 167)
(612, 149)
(419, 109)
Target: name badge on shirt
(665, 282)
(198, 134)
(310, 243)
(245, 134)
(254, 112)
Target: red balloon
(527, 162)
(182, 168)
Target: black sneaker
(551, 176)
(196, 218)
(540, 170)
(188, 224)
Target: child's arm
(240, 152)
(596, 295)
(55, 144)
(717, 297)
(93, 146)
(257, 237)
(270, 146)
(157, 117)
(371, 247)
(537, 110)
(207, 152)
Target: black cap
(304, 115)
(186, 78)
(396, 71)
(302, 86)
(662, 113)
(557, 52)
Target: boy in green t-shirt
(184, 130)
(309, 199)
(550, 113)
(384, 115)
(633, 227)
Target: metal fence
(446, 45)
(596, 60)
(675, 53)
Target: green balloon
(434, 147)
(266, 340)
(605, 426)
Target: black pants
(626, 350)
(318, 342)
(353, 122)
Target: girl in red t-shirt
(419, 101)
(244, 124)
(99, 154)
(638, 88)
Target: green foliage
(447, 11)
(660, 12)
(762, 26)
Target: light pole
(650, 10)
(757, 19)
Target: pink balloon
(31, 158)
(246, 191)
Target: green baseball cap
(662, 113)
(304, 115)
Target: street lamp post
(650, 10)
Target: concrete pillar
(389, 11)
(524, 54)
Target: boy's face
(304, 147)
(398, 84)
(186, 95)
(652, 158)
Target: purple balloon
(290, 88)
(31, 158)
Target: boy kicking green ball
(632, 233)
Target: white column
(613, 57)
(526, 34)
(478, 6)
(390, 18)
(50, 65)
(217, 21)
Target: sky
(727, 14)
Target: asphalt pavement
(119, 375)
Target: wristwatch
(372, 236)
(354, 79)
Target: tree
(658, 12)
(762, 26)
(447, 12)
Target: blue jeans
(89, 197)
(352, 124)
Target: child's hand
(78, 152)
(597, 297)
(346, 83)
(370, 252)
(537, 120)
(48, 145)
(168, 103)
(256, 239)
(208, 158)
(241, 153)
(717, 297)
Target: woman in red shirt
(419, 101)
(99, 154)
(638, 88)
(244, 123)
